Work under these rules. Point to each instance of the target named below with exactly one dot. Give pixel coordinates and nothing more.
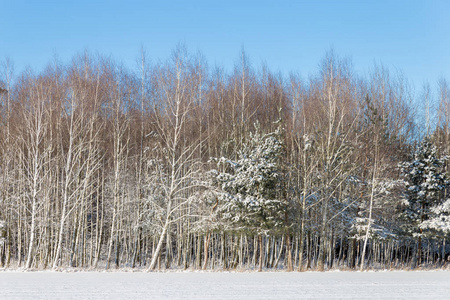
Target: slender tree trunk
(260, 253)
(206, 250)
(157, 251)
(32, 235)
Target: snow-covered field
(198, 285)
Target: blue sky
(409, 36)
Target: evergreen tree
(425, 181)
(439, 219)
(249, 193)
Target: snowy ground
(198, 285)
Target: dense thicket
(178, 165)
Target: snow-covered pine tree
(439, 219)
(425, 182)
(439, 215)
(249, 187)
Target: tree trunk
(260, 252)
(157, 252)
(32, 235)
(206, 249)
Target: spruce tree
(249, 194)
(249, 187)
(425, 181)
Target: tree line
(179, 165)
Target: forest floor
(225, 285)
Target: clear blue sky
(411, 36)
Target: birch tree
(334, 147)
(34, 154)
(80, 157)
(177, 167)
